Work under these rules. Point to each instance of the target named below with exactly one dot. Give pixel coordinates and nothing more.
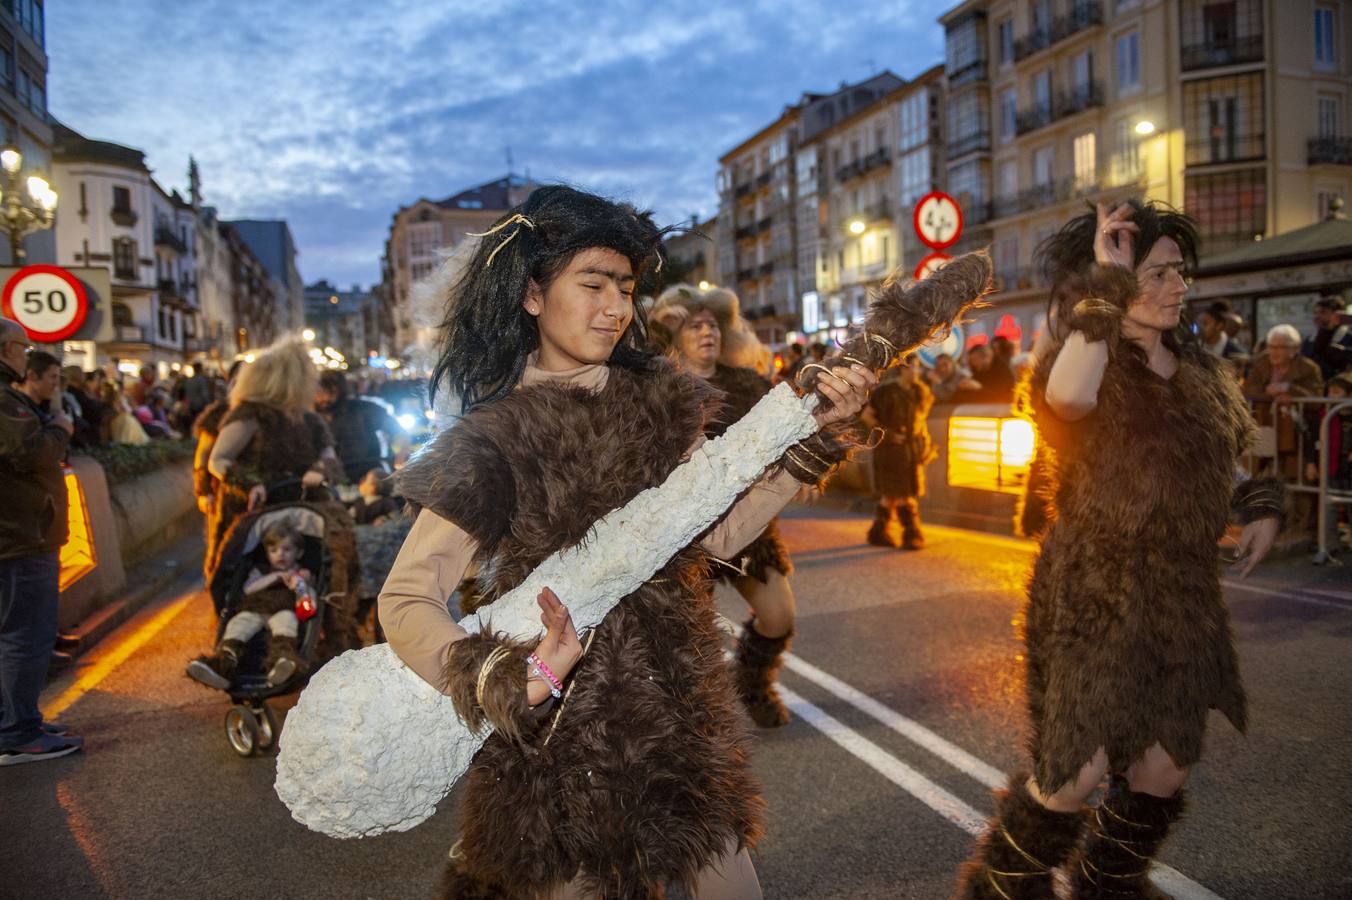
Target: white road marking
(1302, 597)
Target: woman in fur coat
(705, 333)
(900, 406)
(618, 767)
(1128, 638)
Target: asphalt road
(906, 686)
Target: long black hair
(1065, 257)
(487, 335)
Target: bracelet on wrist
(538, 669)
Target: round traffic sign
(951, 344)
(49, 302)
(938, 220)
(929, 265)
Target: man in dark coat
(363, 431)
(33, 441)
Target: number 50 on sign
(49, 302)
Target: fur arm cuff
(1108, 292)
(1097, 319)
(813, 460)
(1260, 498)
(502, 700)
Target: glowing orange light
(77, 554)
(991, 454)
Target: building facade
(861, 178)
(339, 320)
(24, 124)
(1234, 112)
(421, 231)
(271, 242)
(694, 253)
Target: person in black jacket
(363, 432)
(33, 442)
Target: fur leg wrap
(1125, 832)
(755, 670)
(912, 538)
(1022, 845)
(880, 532)
(458, 883)
(1260, 498)
(486, 676)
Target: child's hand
(559, 649)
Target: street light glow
(11, 160)
(308, 334)
(704, 285)
(37, 186)
(857, 227)
(1145, 127)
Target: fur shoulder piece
(742, 389)
(209, 420)
(1115, 284)
(462, 476)
(250, 409)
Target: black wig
(487, 335)
(1065, 257)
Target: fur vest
(899, 461)
(1129, 639)
(642, 779)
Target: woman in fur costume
(1128, 638)
(619, 767)
(705, 333)
(900, 406)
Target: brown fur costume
(743, 389)
(645, 779)
(1129, 640)
(899, 461)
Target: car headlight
(407, 421)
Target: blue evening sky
(334, 114)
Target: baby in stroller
(277, 600)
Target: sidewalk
(145, 581)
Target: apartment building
(866, 172)
(1233, 110)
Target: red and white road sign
(49, 302)
(930, 264)
(938, 220)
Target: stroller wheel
(266, 720)
(241, 730)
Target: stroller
(251, 725)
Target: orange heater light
(990, 454)
(77, 554)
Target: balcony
(746, 275)
(1084, 15)
(1207, 55)
(971, 143)
(129, 334)
(743, 190)
(123, 215)
(198, 344)
(763, 179)
(968, 74)
(1055, 192)
(164, 237)
(861, 167)
(1065, 104)
(869, 215)
(1335, 151)
(765, 269)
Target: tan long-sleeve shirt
(436, 554)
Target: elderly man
(32, 442)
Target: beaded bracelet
(539, 670)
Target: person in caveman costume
(1128, 638)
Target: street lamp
(857, 226)
(17, 216)
(308, 334)
(1145, 127)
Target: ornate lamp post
(17, 216)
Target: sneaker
(206, 670)
(46, 746)
(282, 661)
(56, 729)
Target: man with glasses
(33, 441)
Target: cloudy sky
(334, 114)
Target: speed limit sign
(49, 302)
(929, 265)
(938, 220)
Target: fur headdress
(680, 302)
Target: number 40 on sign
(49, 302)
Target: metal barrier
(1301, 413)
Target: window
(969, 179)
(1325, 37)
(1326, 113)
(1044, 159)
(1009, 112)
(1042, 90)
(916, 178)
(124, 258)
(1006, 46)
(37, 94)
(1082, 71)
(1009, 179)
(968, 123)
(1323, 202)
(963, 46)
(121, 199)
(1230, 207)
(1223, 119)
(1220, 32)
(423, 239)
(779, 149)
(1126, 164)
(1129, 62)
(915, 115)
(1086, 171)
(1041, 16)
(1007, 260)
(25, 87)
(6, 61)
